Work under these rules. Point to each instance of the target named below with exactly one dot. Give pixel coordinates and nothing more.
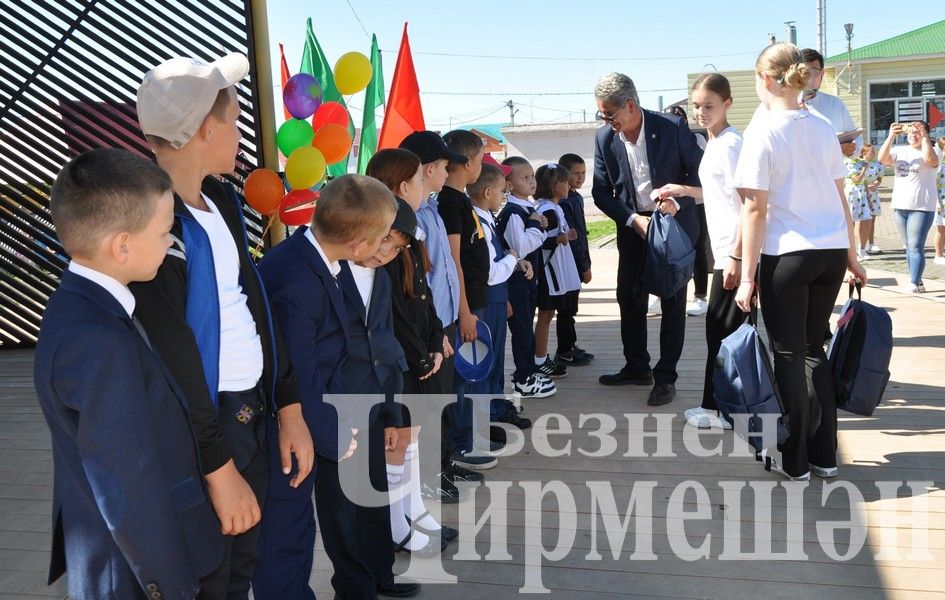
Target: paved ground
(904, 441)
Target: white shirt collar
(523, 203)
(484, 214)
(641, 139)
(112, 286)
(333, 267)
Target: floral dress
(940, 183)
(874, 175)
(855, 188)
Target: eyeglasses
(609, 118)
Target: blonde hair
(784, 63)
(353, 207)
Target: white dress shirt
(500, 271)
(524, 240)
(112, 286)
(640, 169)
(333, 267)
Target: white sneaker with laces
(823, 472)
(913, 289)
(875, 249)
(702, 418)
(697, 308)
(939, 260)
(533, 387)
(655, 307)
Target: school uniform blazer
(308, 306)
(130, 513)
(375, 362)
(674, 157)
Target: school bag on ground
(743, 383)
(670, 256)
(859, 355)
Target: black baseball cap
(406, 220)
(430, 147)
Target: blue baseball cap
(474, 359)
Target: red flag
(285, 77)
(404, 115)
(935, 116)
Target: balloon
(352, 73)
(264, 189)
(297, 207)
(334, 141)
(330, 112)
(305, 167)
(302, 95)
(293, 134)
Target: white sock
(399, 528)
(413, 501)
(540, 360)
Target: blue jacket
(375, 362)
(573, 207)
(673, 155)
(308, 306)
(130, 511)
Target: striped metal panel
(69, 70)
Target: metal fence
(69, 70)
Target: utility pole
(822, 27)
(512, 111)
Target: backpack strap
(858, 285)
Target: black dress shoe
(392, 589)
(662, 393)
(624, 377)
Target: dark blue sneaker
(476, 463)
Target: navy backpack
(670, 257)
(743, 383)
(859, 355)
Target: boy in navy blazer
(130, 513)
(353, 215)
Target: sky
(473, 57)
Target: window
(903, 101)
(899, 89)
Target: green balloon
(293, 134)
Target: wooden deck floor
(904, 441)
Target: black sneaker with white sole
(466, 460)
(535, 387)
(457, 473)
(551, 369)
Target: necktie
(141, 331)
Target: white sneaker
(702, 418)
(875, 249)
(862, 254)
(824, 472)
(773, 466)
(939, 260)
(533, 387)
(697, 308)
(913, 289)
(655, 307)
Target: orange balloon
(334, 142)
(263, 190)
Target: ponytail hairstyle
(716, 83)
(784, 63)
(546, 177)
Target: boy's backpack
(743, 384)
(859, 355)
(670, 257)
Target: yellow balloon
(304, 168)
(352, 73)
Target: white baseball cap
(177, 95)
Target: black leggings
(798, 292)
(700, 276)
(722, 318)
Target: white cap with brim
(177, 95)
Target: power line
(358, 19)
(580, 58)
(533, 94)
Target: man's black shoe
(392, 589)
(662, 393)
(623, 377)
(457, 473)
(511, 417)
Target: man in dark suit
(636, 152)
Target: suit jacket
(674, 157)
(375, 362)
(130, 511)
(309, 309)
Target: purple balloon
(302, 95)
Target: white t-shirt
(796, 158)
(241, 358)
(364, 279)
(832, 109)
(914, 186)
(723, 205)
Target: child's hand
(586, 276)
(667, 207)
(508, 310)
(447, 347)
(540, 218)
(295, 438)
(233, 500)
(391, 439)
(527, 269)
(562, 239)
(572, 234)
(467, 327)
(437, 358)
(352, 446)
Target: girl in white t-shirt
(711, 99)
(939, 220)
(790, 174)
(914, 194)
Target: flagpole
(265, 108)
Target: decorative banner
(302, 95)
(293, 134)
(284, 77)
(352, 73)
(373, 98)
(297, 207)
(333, 141)
(304, 168)
(404, 114)
(263, 190)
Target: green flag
(373, 97)
(315, 64)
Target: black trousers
(523, 295)
(798, 292)
(232, 579)
(704, 258)
(632, 298)
(722, 319)
(564, 322)
(374, 521)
